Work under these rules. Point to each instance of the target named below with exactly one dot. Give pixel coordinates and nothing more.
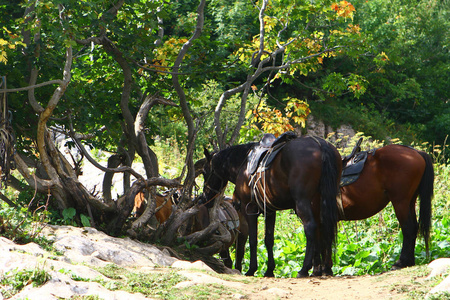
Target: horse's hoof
(400, 265)
(317, 274)
(327, 272)
(250, 273)
(269, 274)
(302, 274)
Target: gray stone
(88, 245)
(80, 247)
(439, 267)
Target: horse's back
(398, 163)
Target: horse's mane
(236, 151)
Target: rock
(81, 247)
(58, 288)
(318, 128)
(439, 267)
(61, 285)
(186, 265)
(88, 245)
(443, 287)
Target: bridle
(211, 189)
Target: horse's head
(214, 179)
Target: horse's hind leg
(318, 252)
(268, 241)
(327, 262)
(310, 229)
(406, 216)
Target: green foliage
(410, 87)
(23, 226)
(69, 217)
(85, 220)
(14, 281)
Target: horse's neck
(236, 159)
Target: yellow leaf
(3, 58)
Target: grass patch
(15, 281)
(158, 284)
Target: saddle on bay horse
(353, 164)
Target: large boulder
(78, 250)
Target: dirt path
(357, 287)
(408, 283)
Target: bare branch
(56, 81)
(183, 102)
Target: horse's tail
(426, 191)
(329, 188)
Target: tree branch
(183, 102)
(26, 88)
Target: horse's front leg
(241, 240)
(226, 258)
(268, 241)
(252, 221)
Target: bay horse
(396, 174)
(163, 202)
(304, 176)
(232, 218)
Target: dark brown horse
(396, 174)
(303, 176)
(232, 220)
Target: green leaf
(69, 213)
(85, 220)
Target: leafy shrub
(22, 226)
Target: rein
(212, 198)
(218, 192)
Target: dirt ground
(408, 283)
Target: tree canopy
(119, 75)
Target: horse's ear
(207, 154)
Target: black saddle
(265, 151)
(353, 167)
